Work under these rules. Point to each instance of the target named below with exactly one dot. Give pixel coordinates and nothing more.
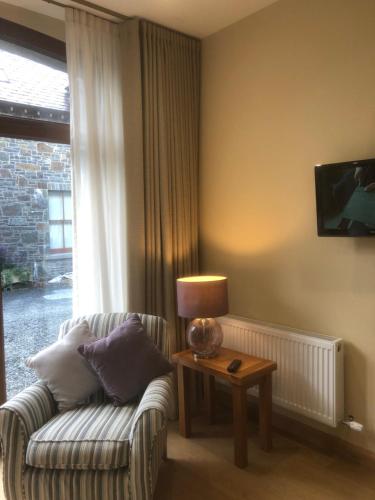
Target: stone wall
(28, 171)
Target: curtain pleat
(170, 89)
(134, 162)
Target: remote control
(234, 365)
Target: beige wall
(39, 22)
(283, 90)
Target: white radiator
(309, 378)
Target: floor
(201, 468)
(32, 317)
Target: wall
(284, 89)
(39, 22)
(28, 170)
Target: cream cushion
(67, 375)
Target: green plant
(12, 274)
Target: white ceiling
(196, 17)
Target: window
(34, 139)
(60, 221)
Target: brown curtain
(170, 90)
(161, 106)
(134, 163)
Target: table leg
(265, 412)
(209, 397)
(184, 400)
(240, 425)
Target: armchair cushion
(94, 437)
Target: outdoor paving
(32, 317)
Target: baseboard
(306, 434)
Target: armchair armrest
(148, 437)
(19, 418)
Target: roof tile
(25, 81)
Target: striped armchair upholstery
(130, 472)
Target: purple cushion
(126, 361)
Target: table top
(251, 369)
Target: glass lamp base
(204, 336)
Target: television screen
(345, 198)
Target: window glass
(67, 206)
(32, 85)
(36, 271)
(55, 205)
(56, 236)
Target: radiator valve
(352, 424)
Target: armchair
(92, 452)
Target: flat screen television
(345, 198)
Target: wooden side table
(253, 371)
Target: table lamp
(203, 298)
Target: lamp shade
(202, 296)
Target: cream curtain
(97, 145)
(170, 102)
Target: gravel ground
(32, 317)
